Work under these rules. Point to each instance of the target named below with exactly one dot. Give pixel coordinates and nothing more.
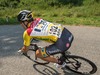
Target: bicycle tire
(76, 58)
(35, 59)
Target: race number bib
(45, 28)
(55, 30)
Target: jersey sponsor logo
(41, 26)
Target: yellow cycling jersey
(42, 30)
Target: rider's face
(24, 24)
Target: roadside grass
(56, 18)
(86, 14)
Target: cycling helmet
(25, 15)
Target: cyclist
(40, 29)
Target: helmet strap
(25, 26)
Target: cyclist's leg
(41, 53)
(47, 52)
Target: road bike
(74, 63)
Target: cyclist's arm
(26, 43)
(26, 39)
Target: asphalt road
(86, 44)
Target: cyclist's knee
(41, 53)
(38, 53)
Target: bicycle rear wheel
(80, 64)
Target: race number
(55, 30)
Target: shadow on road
(47, 70)
(10, 40)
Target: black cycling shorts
(62, 44)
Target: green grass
(71, 12)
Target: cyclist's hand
(20, 52)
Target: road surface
(86, 44)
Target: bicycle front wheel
(80, 64)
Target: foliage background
(72, 12)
